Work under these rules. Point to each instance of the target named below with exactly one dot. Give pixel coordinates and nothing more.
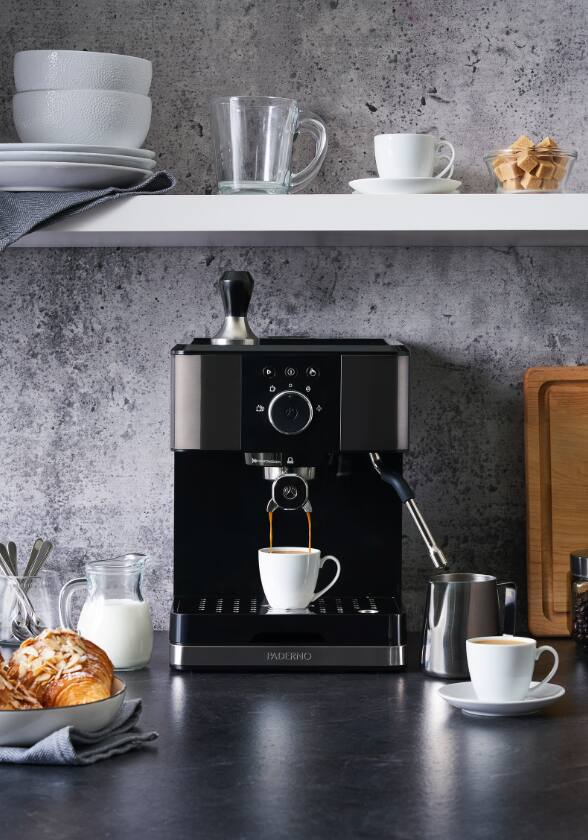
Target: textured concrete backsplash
(85, 335)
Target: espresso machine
(288, 426)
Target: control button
(290, 412)
(319, 408)
(312, 372)
(291, 372)
(268, 372)
(272, 389)
(307, 389)
(260, 409)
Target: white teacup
(501, 667)
(412, 156)
(289, 576)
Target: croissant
(61, 669)
(13, 696)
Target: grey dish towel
(22, 212)
(71, 746)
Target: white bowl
(92, 117)
(27, 726)
(76, 70)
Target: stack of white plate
(55, 167)
(82, 117)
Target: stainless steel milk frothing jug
(462, 606)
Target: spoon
(34, 552)
(6, 556)
(34, 567)
(12, 556)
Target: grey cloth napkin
(22, 212)
(71, 746)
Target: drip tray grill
(245, 620)
(344, 605)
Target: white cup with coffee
(413, 156)
(501, 667)
(289, 576)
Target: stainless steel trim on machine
(323, 657)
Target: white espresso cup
(289, 576)
(412, 156)
(501, 667)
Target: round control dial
(290, 412)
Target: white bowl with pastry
(54, 680)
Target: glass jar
(579, 581)
(115, 615)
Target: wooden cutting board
(556, 456)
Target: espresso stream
(270, 514)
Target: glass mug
(253, 137)
(115, 615)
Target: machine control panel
(291, 405)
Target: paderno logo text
(288, 656)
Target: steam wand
(406, 496)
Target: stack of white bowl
(82, 118)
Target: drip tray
(357, 632)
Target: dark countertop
(318, 755)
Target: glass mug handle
(333, 582)
(449, 157)
(65, 596)
(309, 123)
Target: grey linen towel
(71, 746)
(22, 212)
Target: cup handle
(309, 123)
(448, 171)
(333, 582)
(65, 596)
(544, 649)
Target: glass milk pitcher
(115, 615)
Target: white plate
(76, 147)
(31, 176)
(27, 726)
(81, 157)
(404, 186)
(461, 696)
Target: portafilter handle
(289, 492)
(406, 495)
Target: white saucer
(32, 176)
(461, 696)
(404, 186)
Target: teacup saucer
(404, 186)
(461, 696)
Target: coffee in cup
(501, 667)
(289, 576)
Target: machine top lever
(406, 495)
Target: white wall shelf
(179, 220)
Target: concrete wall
(85, 335)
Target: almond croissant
(62, 669)
(13, 696)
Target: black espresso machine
(289, 426)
